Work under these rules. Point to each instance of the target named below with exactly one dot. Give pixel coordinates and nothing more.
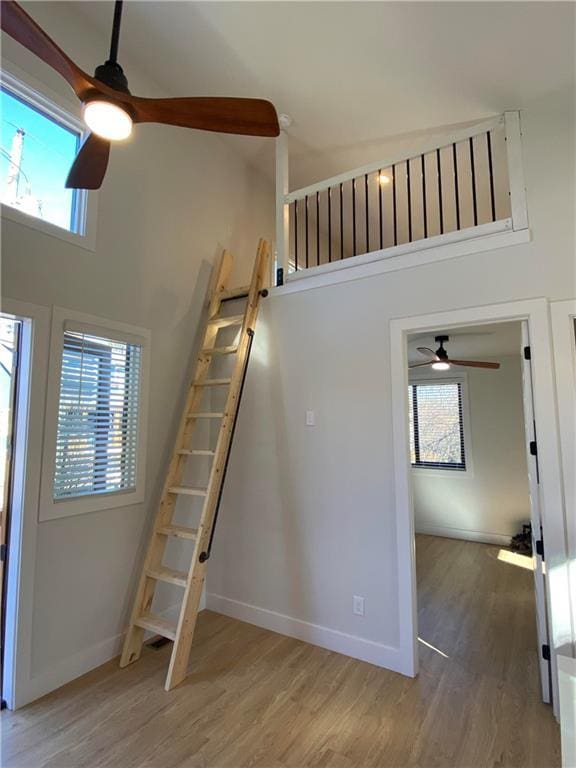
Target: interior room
(287, 384)
(477, 491)
(470, 469)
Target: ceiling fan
(109, 109)
(440, 361)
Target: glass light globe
(440, 366)
(107, 120)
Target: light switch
(358, 605)
(310, 419)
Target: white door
(538, 544)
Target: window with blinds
(98, 416)
(437, 425)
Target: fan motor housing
(111, 74)
(441, 352)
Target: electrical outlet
(358, 605)
(310, 419)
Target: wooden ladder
(154, 570)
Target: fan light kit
(440, 361)
(110, 110)
(107, 120)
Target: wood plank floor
(256, 698)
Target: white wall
(171, 200)
(490, 501)
(308, 518)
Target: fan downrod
(111, 73)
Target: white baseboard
(68, 669)
(461, 533)
(82, 662)
(349, 645)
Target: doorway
(10, 349)
(536, 313)
(478, 533)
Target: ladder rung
(213, 383)
(229, 350)
(235, 293)
(186, 490)
(205, 415)
(179, 531)
(224, 322)
(196, 452)
(169, 575)
(157, 624)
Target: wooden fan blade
(419, 365)
(18, 24)
(428, 352)
(250, 117)
(90, 165)
(474, 363)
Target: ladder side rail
(220, 284)
(189, 610)
(157, 544)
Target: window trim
(40, 97)
(448, 377)
(51, 508)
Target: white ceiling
(351, 74)
(474, 342)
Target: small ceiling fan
(109, 109)
(440, 361)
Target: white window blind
(98, 415)
(437, 425)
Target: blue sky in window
(48, 150)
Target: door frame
(18, 673)
(538, 558)
(536, 313)
(563, 314)
(8, 490)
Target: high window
(437, 425)
(39, 142)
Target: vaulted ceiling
(350, 74)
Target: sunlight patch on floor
(514, 558)
(437, 650)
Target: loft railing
(466, 187)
